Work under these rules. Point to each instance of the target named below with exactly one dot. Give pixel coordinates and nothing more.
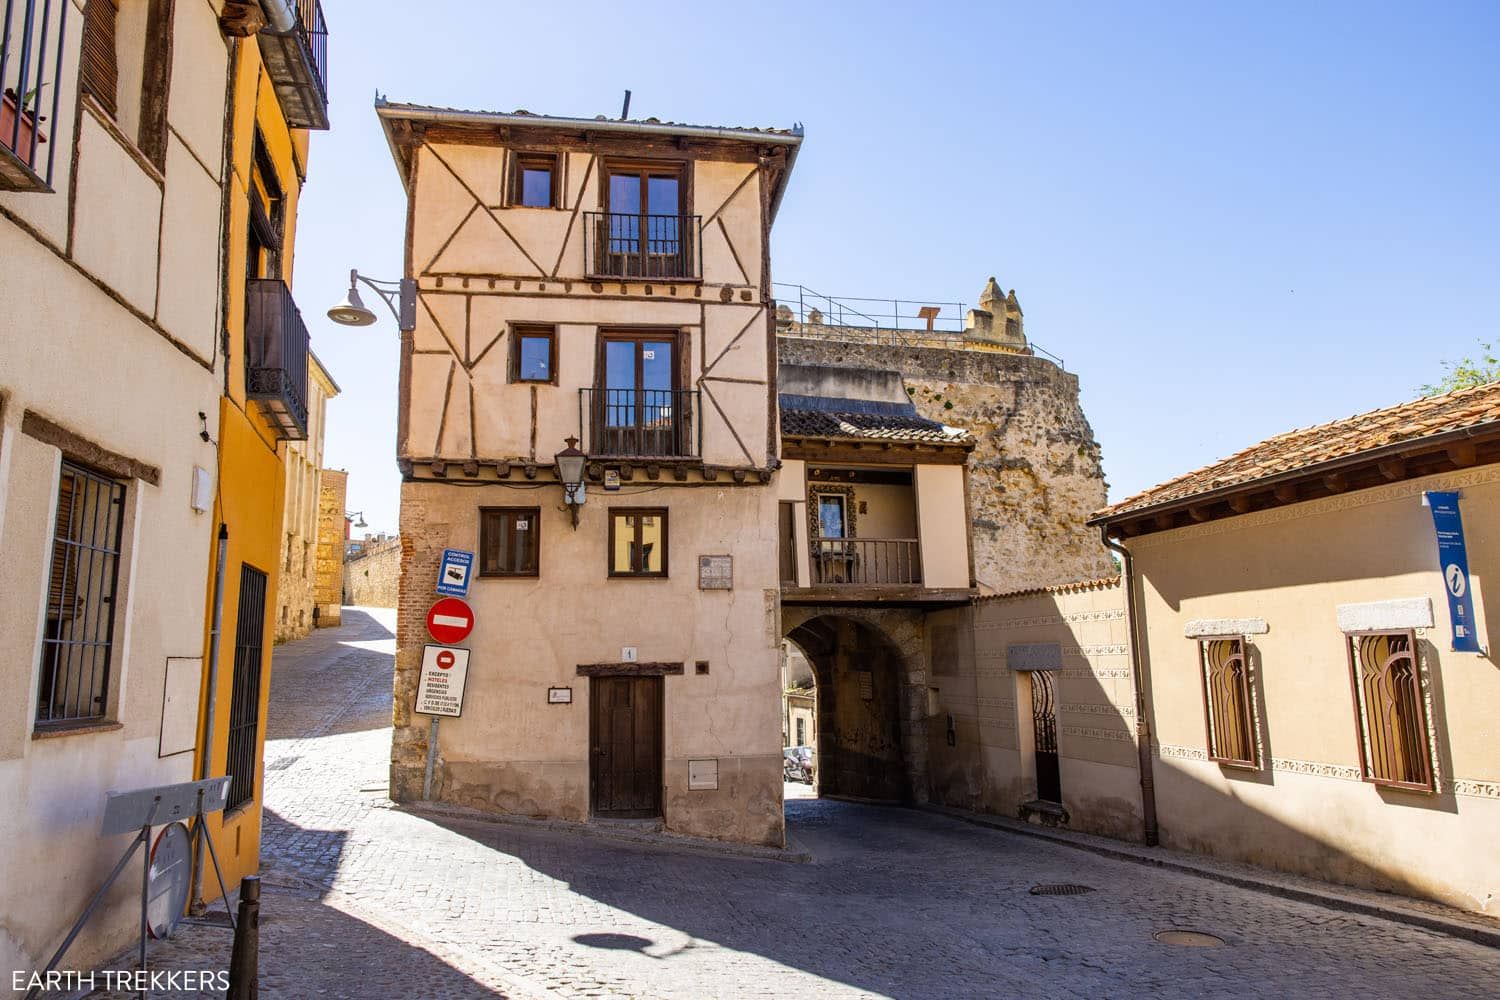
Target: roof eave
(1301, 474)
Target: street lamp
(400, 297)
(351, 515)
(569, 464)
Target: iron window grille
(33, 44)
(510, 541)
(1390, 715)
(1228, 712)
(78, 642)
(244, 701)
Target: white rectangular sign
(441, 689)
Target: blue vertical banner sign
(1453, 559)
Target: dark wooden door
(625, 746)
(1044, 721)
(788, 535)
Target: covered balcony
(294, 45)
(276, 345)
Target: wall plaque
(716, 572)
(559, 696)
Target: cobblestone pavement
(364, 899)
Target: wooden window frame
(681, 344)
(615, 514)
(520, 161)
(1413, 690)
(640, 168)
(518, 331)
(1243, 689)
(485, 515)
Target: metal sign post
(140, 810)
(445, 669)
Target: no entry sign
(450, 620)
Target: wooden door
(625, 746)
(788, 535)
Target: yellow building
(296, 582)
(276, 95)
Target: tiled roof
(1312, 446)
(1076, 587)
(868, 426)
(419, 109)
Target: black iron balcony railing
(866, 562)
(276, 356)
(640, 423)
(294, 46)
(641, 246)
(31, 62)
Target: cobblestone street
(364, 899)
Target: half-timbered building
(601, 285)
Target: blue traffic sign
(454, 573)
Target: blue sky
(1229, 221)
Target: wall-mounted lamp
(569, 463)
(351, 515)
(400, 297)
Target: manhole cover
(1060, 889)
(1188, 939)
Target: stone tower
(1035, 474)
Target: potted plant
(28, 135)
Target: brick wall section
(1035, 473)
(329, 580)
(421, 550)
(372, 578)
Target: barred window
(1227, 708)
(1389, 714)
(79, 635)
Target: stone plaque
(703, 775)
(716, 572)
(1034, 656)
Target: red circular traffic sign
(450, 621)
(446, 659)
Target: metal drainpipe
(206, 763)
(1138, 678)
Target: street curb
(1451, 928)
(654, 838)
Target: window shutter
(61, 596)
(99, 72)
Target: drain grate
(1060, 889)
(1189, 939)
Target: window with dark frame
(534, 353)
(244, 700)
(105, 27)
(534, 180)
(80, 617)
(1390, 716)
(638, 541)
(510, 541)
(1227, 708)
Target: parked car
(797, 763)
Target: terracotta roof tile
(1310, 446)
(868, 426)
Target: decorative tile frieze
(1091, 733)
(1072, 619)
(1127, 711)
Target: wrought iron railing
(859, 562)
(297, 61)
(621, 245)
(892, 322)
(640, 423)
(31, 62)
(276, 344)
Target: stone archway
(871, 687)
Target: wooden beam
(1463, 454)
(1201, 514)
(1336, 482)
(1286, 493)
(1393, 469)
(1165, 520)
(1240, 504)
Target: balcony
(663, 247)
(639, 423)
(276, 357)
(294, 46)
(32, 34)
(866, 562)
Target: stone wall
(1035, 474)
(328, 583)
(372, 578)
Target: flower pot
(26, 135)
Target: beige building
(1295, 699)
(606, 282)
(301, 523)
(111, 370)
(333, 533)
(372, 573)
